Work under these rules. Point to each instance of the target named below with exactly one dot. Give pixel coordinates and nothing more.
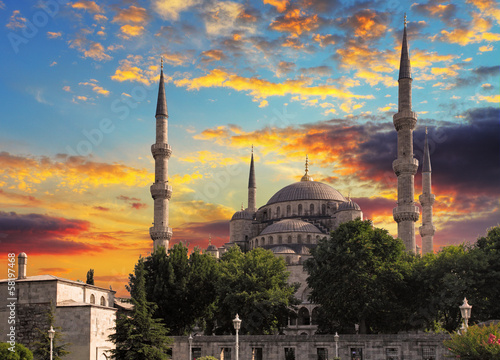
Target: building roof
(306, 190)
(242, 214)
(349, 205)
(290, 225)
(282, 249)
(161, 104)
(53, 278)
(404, 65)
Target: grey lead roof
(404, 66)
(161, 105)
(306, 190)
(290, 225)
(251, 178)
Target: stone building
(85, 313)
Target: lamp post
(237, 325)
(190, 339)
(465, 309)
(336, 339)
(51, 337)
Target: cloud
(212, 55)
(53, 35)
(89, 48)
(367, 24)
(280, 5)
(100, 208)
(131, 15)
(96, 88)
(486, 48)
(224, 18)
(475, 76)
(171, 9)
(135, 69)
(16, 21)
(15, 200)
(295, 22)
(131, 30)
(435, 9)
(285, 67)
(197, 233)
(87, 5)
(489, 8)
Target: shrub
(478, 343)
(20, 353)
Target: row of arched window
(304, 317)
(92, 300)
(287, 212)
(270, 240)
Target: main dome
(306, 190)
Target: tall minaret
(405, 166)
(427, 229)
(161, 191)
(252, 188)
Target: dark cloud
(138, 206)
(197, 234)
(478, 75)
(100, 208)
(366, 24)
(323, 70)
(436, 9)
(322, 6)
(285, 67)
(372, 207)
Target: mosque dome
(306, 190)
(242, 215)
(290, 225)
(282, 250)
(212, 247)
(349, 205)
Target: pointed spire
(404, 66)
(251, 178)
(306, 176)
(209, 239)
(161, 105)
(426, 166)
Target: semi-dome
(349, 205)
(306, 190)
(290, 225)
(282, 249)
(242, 215)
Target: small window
(322, 353)
(304, 318)
(429, 353)
(289, 353)
(257, 353)
(280, 240)
(289, 239)
(103, 301)
(196, 353)
(262, 241)
(308, 239)
(315, 316)
(225, 353)
(323, 209)
(300, 209)
(391, 354)
(278, 212)
(92, 299)
(356, 354)
(270, 240)
(311, 209)
(288, 210)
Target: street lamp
(51, 337)
(190, 339)
(336, 339)
(465, 309)
(237, 325)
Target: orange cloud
(324, 40)
(261, 89)
(212, 55)
(131, 30)
(89, 48)
(132, 15)
(16, 21)
(368, 24)
(96, 88)
(280, 5)
(134, 69)
(295, 22)
(53, 35)
(476, 32)
(88, 5)
(488, 8)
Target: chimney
(21, 265)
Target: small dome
(212, 247)
(349, 205)
(23, 254)
(282, 250)
(290, 225)
(242, 215)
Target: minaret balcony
(161, 190)
(406, 213)
(160, 233)
(427, 199)
(427, 230)
(405, 119)
(405, 166)
(161, 149)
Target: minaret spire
(405, 166)
(161, 191)
(306, 176)
(252, 187)
(427, 230)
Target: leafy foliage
(42, 347)
(478, 343)
(20, 352)
(140, 336)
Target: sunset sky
(79, 85)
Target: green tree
(358, 276)
(90, 277)
(20, 352)
(182, 286)
(254, 285)
(42, 347)
(139, 336)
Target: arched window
(304, 316)
(300, 209)
(262, 241)
(103, 301)
(308, 239)
(92, 299)
(280, 240)
(299, 239)
(278, 212)
(270, 240)
(293, 318)
(256, 242)
(323, 209)
(288, 210)
(264, 215)
(289, 239)
(311, 209)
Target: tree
(358, 276)
(140, 336)
(20, 352)
(182, 286)
(90, 277)
(254, 285)
(42, 347)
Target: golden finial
(405, 19)
(162, 63)
(209, 239)
(252, 148)
(426, 130)
(242, 206)
(306, 176)
(307, 164)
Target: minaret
(427, 230)
(252, 188)
(405, 166)
(161, 191)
